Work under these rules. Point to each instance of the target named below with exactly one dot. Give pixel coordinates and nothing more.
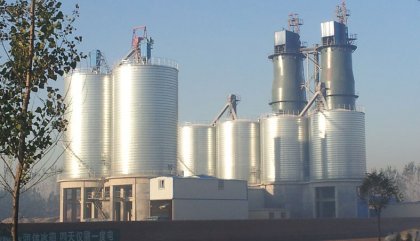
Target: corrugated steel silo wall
(145, 109)
(284, 152)
(238, 150)
(88, 134)
(197, 149)
(337, 145)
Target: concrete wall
(202, 198)
(197, 188)
(194, 209)
(287, 196)
(346, 197)
(298, 199)
(142, 204)
(268, 214)
(209, 188)
(158, 193)
(256, 198)
(400, 210)
(238, 230)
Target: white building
(198, 198)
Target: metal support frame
(135, 52)
(186, 166)
(231, 105)
(318, 94)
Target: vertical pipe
(316, 66)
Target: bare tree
(38, 46)
(407, 180)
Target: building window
(325, 202)
(160, 210)
(107, 193)
(161, 184)
(72, 207)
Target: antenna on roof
(342, 13)
(294, 22)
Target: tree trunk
(16, 196)
(379, 224)
(20, 169)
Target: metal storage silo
(337, 145)
(196, 149)
(145, 108)
(288, 94)
(238, 150)
(336, 65)
(88, 135)
(284, 154)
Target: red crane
(136, 41)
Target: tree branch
(8, 166)
(6, 184)
(4, 48)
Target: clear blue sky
(222, 47)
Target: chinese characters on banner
(101, 235)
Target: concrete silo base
(129, 198)
(315, 199)
(336, 199)
(111, 199)
(288, 196)
(79, 200)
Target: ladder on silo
(98, 195)
(185, 165)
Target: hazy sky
(222, 48)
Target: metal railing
(163, 62)
(343, 107)
(348, 107)
(87, 70)
(283, 113)
(152, 61)
(296, 113)
(127, 193)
